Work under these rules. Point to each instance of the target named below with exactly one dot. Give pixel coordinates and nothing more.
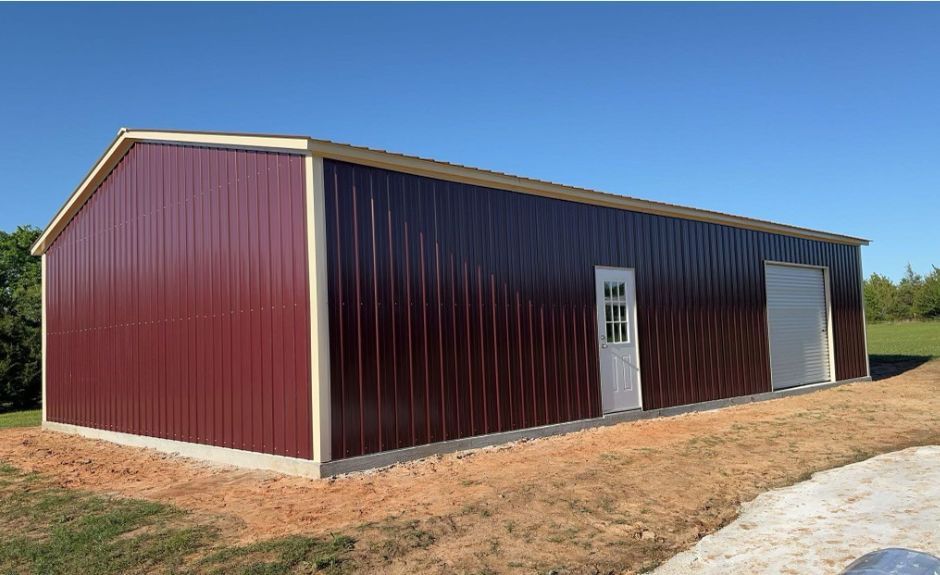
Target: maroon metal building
(296, 304)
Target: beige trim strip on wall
(407, 164)
(319, 323)
(861, 289)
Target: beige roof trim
(409, 164)
(456, 172)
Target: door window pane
(615, 311)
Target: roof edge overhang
(409, 164)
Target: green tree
(927, 298)
(908, 288)
(880, 298)
(20, 320)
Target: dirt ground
(617, 499)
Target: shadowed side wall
(457, 310)
(178, 302)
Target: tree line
(20, 320)
(915, 297)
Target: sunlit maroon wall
(178, 302)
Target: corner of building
(315, 204)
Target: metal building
(296, 304)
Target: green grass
(50, 530)
(905, 340)
(30, 418)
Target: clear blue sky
(825, 116)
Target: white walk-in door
(616, 322)
(798, 318)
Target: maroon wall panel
(457, 310)
(178, 302)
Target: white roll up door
(799, 325)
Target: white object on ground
(821, 525)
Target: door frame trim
(636, 339)
(829, 334)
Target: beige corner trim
(43, 286)
(221, 455)
(861, 289)
(319, 322)
(408, 164)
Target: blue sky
(819, 115)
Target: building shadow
(884, 366)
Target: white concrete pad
(821, 525)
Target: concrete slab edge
(371, 462)
(387, 458)
(212, 453)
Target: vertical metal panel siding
(178, 302)
(457, 310)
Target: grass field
(907, 340)
(29, 418)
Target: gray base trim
(223, 455)
(308, 468)
(387, 458)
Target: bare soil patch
(616, 499)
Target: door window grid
(617, 321)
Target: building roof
(127, 137)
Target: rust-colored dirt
(616, 499)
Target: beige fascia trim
(215, 454)
(315, 204)
(244, 141)
(474, 176)
(407, 164)
(90, 182)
